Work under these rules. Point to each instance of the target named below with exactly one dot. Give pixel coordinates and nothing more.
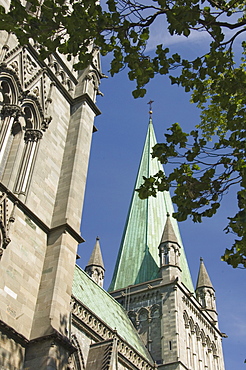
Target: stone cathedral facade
(53, 314)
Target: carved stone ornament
(11, 110)
(70, 365)
(33, 135)
(31, 67)
(4, 223)
(45, 123)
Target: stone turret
(95, 267)
(169, 253)
(205, 292)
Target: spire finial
(150, 108)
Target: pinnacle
(168, 233)
(203, 279)
(96, 256)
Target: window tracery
(32, 136)
(143, 314)
(155, 311)
(10, 113)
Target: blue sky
(115, 154)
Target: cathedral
(53, 314)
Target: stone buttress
(47, 120)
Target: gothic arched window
(143, 314)
(10, 113)
(33, 133)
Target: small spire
(168, 233)
(203, 279)
(96, 256)
(205, 292)
(150, 108)
(95, 267)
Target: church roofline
(125, 326)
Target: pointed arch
(63, 77)
(10, 84)
(70, 85)
(50, 60)
(192, 325)
(209, 344)
(143, 314)
(155, 311)
(10, 91)
(197, 331)
(32, 112)
(214, 349)
(56, 68)
(203, 338)
(186, 319)
(77, 358)
(33, 118)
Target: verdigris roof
(138, 257)
(107, 309)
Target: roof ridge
(97, 285)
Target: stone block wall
(11, 351)
(47, 120)
(173, 326)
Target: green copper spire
(138, 258)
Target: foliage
(202, 178)
(123, 29)
(216, 80)
(207, 169)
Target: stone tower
(153, 283)
(47, 121)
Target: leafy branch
(209, 160)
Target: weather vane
(150, 108)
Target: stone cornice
(180, 363)
(11, 332)
(56, 337)
(137, 288)
(85, 97)
(65, 227)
